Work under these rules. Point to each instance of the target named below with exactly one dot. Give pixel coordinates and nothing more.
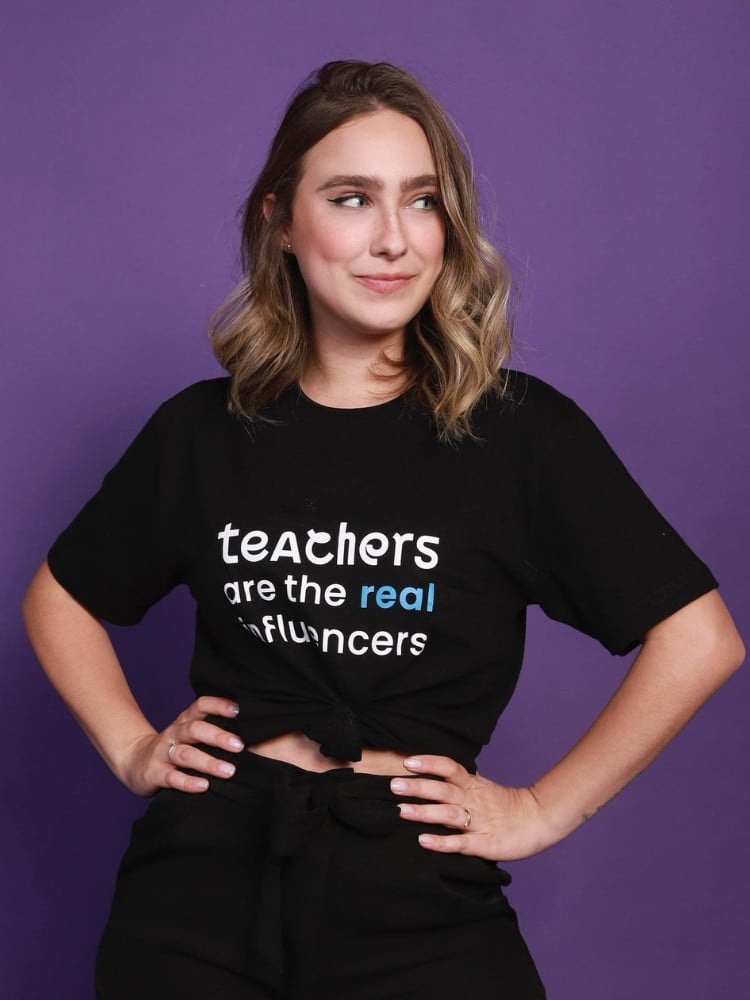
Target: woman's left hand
(492, 821)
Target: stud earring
(288, 247)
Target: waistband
(296, 804)
(300, 800)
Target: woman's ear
(268, 205)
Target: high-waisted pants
(286, 883)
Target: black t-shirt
(360, 581)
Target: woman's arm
(76, 654)
(682, 662)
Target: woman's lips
(384, 283)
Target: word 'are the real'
(304, 590)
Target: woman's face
(367, 229)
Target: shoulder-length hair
(454, 348)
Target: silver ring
(467, 821)
(172, 745)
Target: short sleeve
(609, 563)
(119, 555)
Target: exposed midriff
(296, 748)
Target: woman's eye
(427, 201)
(352, 200)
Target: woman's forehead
(385, 146)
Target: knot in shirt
(340, 735)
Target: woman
(363, 511)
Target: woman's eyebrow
(367, 183)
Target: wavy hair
(455, 347)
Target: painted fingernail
(235, 743)
(413, 762)
(234, 709)
(426, 838)
(406, 809)
(226, 768)
(398, 785)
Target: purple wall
(615, 138)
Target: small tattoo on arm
(587, 815)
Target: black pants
(286, 883)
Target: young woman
(362, 510)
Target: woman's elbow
(721, 632)
(737, 649)
(706, 627)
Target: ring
(467, 821)
(172, 745)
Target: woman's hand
(154, 760)
(492, 821)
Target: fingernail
(406, 809)
(413, 762)
(426, 838)
(235, 743)
(201, 783)
(226, 768)
(398, 785)
(234, 709)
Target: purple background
(614, 137)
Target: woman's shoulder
(205, 394)
(531, 401)
(195, 404)
(197, 411)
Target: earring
(288, 247)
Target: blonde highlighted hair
(455, 348)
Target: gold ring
(467, 821)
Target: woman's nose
(389, 238)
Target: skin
(339, 234)
(388, 223)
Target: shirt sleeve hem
(86, 599)
(660, 604)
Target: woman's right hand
(150, 765)
(76, 654)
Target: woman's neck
(347, 379)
